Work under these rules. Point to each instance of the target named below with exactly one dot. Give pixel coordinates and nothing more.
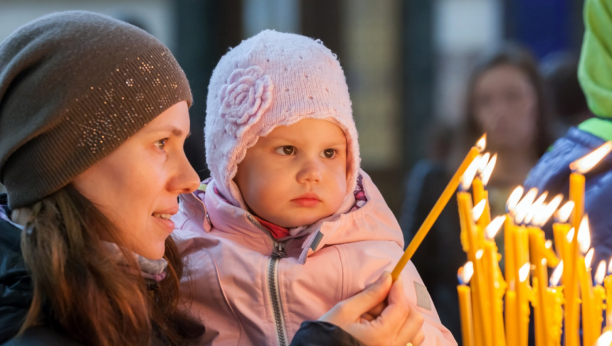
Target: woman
(93, 118)
(506, 100)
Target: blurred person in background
(569, 104)
(506, 99)
(552, 171)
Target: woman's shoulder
(42, 336)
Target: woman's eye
(286, 150)
(329, 153)
(161, 144)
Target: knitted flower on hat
(269, 80)
(245, 97)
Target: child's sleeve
(419, 299)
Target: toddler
(288, 225)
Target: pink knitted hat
(269, 80)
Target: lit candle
(521, 250)
(576, 191)
(561, 228)
(510, 267)
(438, 207)
(497, 286)
(586, 294)
(509, 229)
(598, 298)
(523, 295)
(608, 286)
(538, 256)
(465, 304)
(485, 170)
(511, 319)
(480, 293)
(554, 300)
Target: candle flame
(589, 258)
(520, 217)
(605, 339)
(514, 198)
(570, 235)
(494, 226)
(536, 208)
(547, 211)
(470, 173)
(586, 163)
(479, 209)
(468, 271)
(565, 211)
(488, 171)
(527, 201)
(524, 272)
(556, 275)
(548, 244)
(479, 254)
(584, 235)
(610, 267)
(484, 160)
(601, 272)
(482, 143)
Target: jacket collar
(373, 221)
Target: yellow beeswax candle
(608, 286)
(465, 305)
(494, 284)
(554, 300)
(511, 319)
(571, 289)
(586, 295)
(480, 292)
(599, 295)
(437, 208)
(536, 247)
(521, 248)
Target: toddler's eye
(161, 144)
(286, 150)
(329, 153)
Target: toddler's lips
(307, 200)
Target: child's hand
(361, 317)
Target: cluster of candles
(495, 307)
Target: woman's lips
(307, 200)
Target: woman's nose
(186, 179)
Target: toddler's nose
(310, 173)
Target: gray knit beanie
(73, 87)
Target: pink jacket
(249, 289)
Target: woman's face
(137, 185)
(505, 106)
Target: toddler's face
(295, 175)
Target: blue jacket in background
(552, 172)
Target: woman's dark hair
(520, 58)
(80, 289)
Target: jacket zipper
(273, 284)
